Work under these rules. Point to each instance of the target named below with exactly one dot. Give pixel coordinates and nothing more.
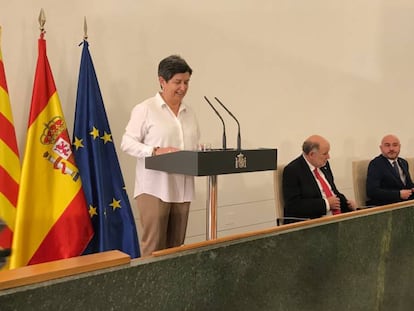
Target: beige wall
(287, 69)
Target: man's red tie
(325, 189)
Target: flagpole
(85, 29)
(42, 21)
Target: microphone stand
(222, 121)
(238, 124)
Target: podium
(212, 163)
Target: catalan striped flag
(52, 219)
(95, 154)
(9, 163)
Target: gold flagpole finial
(42, 21)
(85, 29)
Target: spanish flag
(9, 163)
(52, 220)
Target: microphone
(222, 121)
(238, 124)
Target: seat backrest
(359, 179)
(277, 184)
(410, 166)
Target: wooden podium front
(212, 163)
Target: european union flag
(99, 169)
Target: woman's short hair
(172, 65)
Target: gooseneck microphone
(238, 124)
(222, 121)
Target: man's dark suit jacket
(383, 185)
(301, 193)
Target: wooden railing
(61, 268)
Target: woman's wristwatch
(154, 151)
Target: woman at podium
(162, 124)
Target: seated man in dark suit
(388, 178)
(309, 190)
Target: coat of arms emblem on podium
(241, 161)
